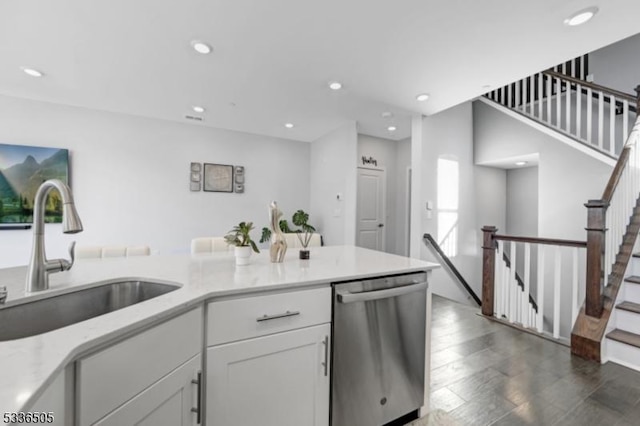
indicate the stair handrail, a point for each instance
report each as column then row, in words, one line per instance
column 606, row 228
column 429, row 241
column 593, row 86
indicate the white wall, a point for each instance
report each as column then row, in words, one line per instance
column 616, row 66
column 333, row 172
column 522, row 202
column 388, row 156
column 403, row 163
column 482, row 193
column 567, row 178
column 130, row 177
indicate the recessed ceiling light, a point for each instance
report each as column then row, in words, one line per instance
column 486, row 86
column 391, row 128
column 387, row 114
column 201, row 47
column 520, row 163
column 198, row 109
column 32, row 72
column 335, row 85
column 422, row 97
column 289, row 125
column 581, row 17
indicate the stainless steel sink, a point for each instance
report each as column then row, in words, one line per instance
column 31, row 318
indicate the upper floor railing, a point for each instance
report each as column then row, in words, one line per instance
column 592, row 114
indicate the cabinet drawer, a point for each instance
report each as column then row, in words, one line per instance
column 114, row 375
column 238, row 319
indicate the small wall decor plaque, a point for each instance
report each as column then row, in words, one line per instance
column 369, row 160
column 218, row 178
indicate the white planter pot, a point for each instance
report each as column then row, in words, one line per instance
column 243, row 255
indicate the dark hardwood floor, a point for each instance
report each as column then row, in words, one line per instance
column 485, row 373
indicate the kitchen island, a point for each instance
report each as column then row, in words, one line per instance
column 31, row 365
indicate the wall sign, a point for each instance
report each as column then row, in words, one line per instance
column 369, row 160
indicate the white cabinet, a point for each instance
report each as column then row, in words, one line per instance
column 276, row 380
column 268, row 360
column 172, row 401
column 114, row 385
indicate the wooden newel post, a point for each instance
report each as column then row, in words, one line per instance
column 488, row 269
column 637, row 89
column 596, row 230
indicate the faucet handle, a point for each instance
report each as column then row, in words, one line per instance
column 65, row 265
column 72, row 254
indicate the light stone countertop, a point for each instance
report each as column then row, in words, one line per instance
column 28, row 365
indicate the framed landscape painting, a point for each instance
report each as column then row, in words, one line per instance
column 22, row 170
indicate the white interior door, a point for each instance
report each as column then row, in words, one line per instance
column 371, row 209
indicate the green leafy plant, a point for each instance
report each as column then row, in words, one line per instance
column 266, row 232
column 240, row 236
column 301, row 218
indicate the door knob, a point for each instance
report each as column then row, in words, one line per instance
column 380, row 225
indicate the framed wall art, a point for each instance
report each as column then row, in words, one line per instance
column 22, row 170
column 218, row 178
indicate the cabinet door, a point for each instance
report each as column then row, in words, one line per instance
column 276, row 380
column 166, row 403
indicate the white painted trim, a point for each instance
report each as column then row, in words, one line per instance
column 553, row 133
column 407, row 225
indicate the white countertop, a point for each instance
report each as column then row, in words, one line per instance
column 28, row 365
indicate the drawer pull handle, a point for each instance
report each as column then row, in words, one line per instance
column 272, row 317
column 198, row 409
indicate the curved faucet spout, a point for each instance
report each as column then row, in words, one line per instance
column 39, row 266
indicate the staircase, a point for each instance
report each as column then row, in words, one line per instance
column 602, row 318
column 623, row 341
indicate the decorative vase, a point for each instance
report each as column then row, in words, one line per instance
column 305, row 254
column 243, row 255
column 278, row 243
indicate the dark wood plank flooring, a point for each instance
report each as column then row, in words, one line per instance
column 485, row 373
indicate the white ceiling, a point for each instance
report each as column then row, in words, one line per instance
column 272, row 59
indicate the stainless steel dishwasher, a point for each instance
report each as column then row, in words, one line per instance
column 378, row 349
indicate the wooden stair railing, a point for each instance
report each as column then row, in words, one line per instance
column 613, row 223
column 580, row 115
column 500, row 295
column 437, row 251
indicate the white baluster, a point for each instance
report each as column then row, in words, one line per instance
column 567, row 124
column 589, row 116
column 527, row 282
column 532, row 98
column 558, row 103
column 549, row 92
column 556, row 292
column 612, row 125
column 601, row 121
column 513, row 284
column 574, row 288
column 540, row 92
column 578, row 111
column 497, row 285
column 540, row 295
column 503, row 290
column 518, row 90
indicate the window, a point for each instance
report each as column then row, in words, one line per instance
column 448, row 200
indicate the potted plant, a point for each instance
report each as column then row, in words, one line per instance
column 240, row 237
column 301, row 219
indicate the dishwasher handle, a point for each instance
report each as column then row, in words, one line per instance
column 365, row 296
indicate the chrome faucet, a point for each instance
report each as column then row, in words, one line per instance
column 39, row 266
